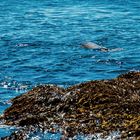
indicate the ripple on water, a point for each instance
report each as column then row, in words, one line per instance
column 58, row 136
column 6, row 130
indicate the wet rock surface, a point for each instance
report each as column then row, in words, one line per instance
column 87, row 108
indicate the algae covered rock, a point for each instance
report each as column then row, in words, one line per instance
column 88, row 108
column 34, row 105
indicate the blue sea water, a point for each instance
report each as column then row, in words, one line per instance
column 40, row 43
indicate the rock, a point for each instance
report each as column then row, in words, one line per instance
column 87, row 108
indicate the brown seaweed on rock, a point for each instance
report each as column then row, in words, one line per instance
column 91, row 107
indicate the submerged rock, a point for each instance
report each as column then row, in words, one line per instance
column 87, row 108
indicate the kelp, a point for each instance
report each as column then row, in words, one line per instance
column 92, row 107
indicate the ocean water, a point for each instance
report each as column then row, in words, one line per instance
column 40, row 43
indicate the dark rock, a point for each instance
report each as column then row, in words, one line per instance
column 88, row 108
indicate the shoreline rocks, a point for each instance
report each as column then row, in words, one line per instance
column 92, row 107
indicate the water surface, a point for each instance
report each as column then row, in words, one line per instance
column 40, row 42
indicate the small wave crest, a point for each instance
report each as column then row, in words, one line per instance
column 6, row 130
column 58, row 135
column 8, row 83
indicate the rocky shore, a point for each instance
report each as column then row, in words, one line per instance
column 88, row 108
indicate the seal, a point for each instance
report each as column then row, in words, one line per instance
column 91, row 45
